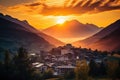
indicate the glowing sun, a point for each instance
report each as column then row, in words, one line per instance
column 61, row 20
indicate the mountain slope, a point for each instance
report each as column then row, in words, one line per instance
column 106, row 39
column 30, row 28
column 71, row 29
column 13, row 36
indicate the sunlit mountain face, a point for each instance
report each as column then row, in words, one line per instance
column 71, row 31
column 105, row 40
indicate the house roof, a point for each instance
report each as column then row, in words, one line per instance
column 39, row 65
column 66, row 66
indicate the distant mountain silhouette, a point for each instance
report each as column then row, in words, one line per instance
column 107, row 39
column 72, row 29
column 15, row 33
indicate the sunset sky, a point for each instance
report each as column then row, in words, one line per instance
column 45, row 13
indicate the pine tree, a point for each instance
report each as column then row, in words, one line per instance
column 23, row 65
column 102, row 69
column 7, row 58
column 93, row 70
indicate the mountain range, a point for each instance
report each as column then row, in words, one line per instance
column 15, row 33
column 105, row 40
column 72, row 30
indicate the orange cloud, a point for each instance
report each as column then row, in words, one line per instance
column 69, row 7
column 27, row 8
column 2, row 8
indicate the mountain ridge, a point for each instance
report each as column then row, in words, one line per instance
column 96, row 39
column 71, row 29
column 30, row 28
column 14, row 36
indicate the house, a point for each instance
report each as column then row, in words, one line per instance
column 64, row 68
column 62, row 58
column 66, row 51
column 40, row 66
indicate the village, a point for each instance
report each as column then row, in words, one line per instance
column 63, row 58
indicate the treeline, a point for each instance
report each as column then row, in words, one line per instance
column 109, row 70
column 17, row 67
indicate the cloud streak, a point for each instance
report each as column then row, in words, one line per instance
column 76, row 7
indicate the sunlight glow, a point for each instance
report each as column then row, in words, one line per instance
column 61, row 19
